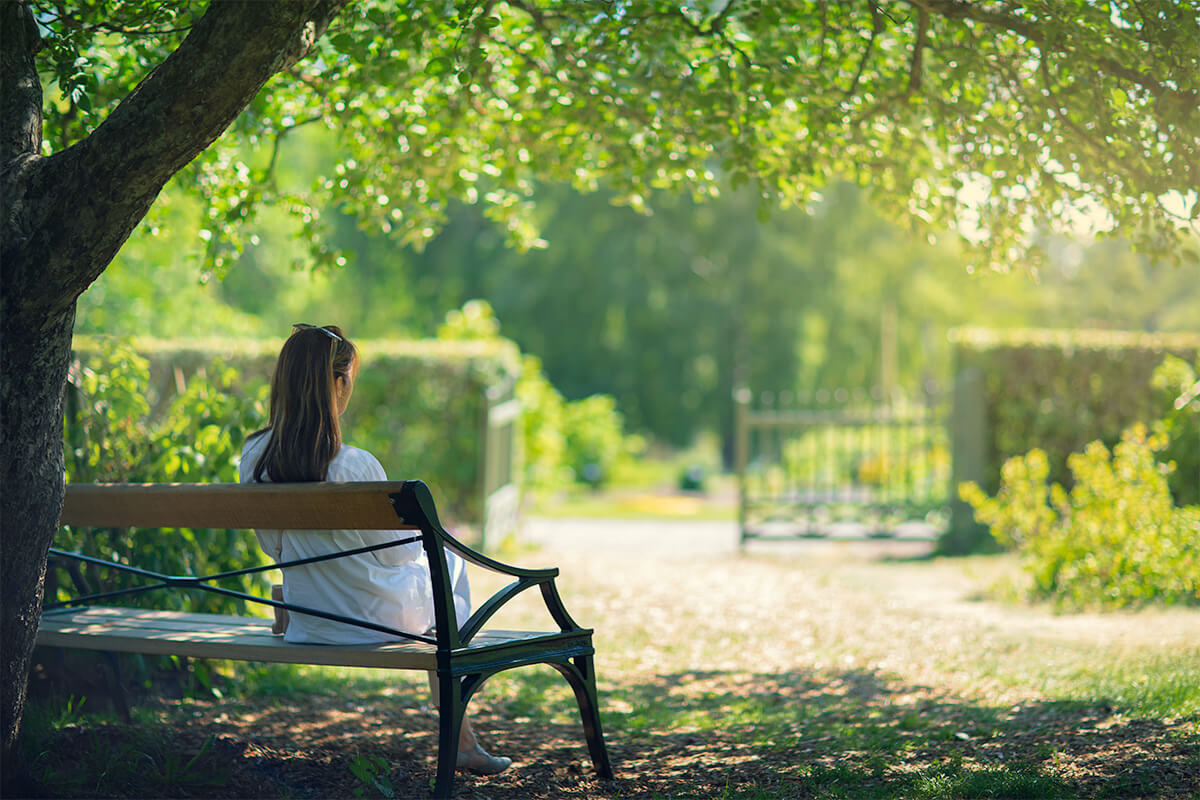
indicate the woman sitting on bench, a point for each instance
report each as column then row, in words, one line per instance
column 311, row 387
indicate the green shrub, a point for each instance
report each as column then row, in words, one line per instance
column 117, row 428
column 418, row 407
column 543, row 445
column 595, row 439
column 561, row 441
column 1179, row 394
column 1114, row 539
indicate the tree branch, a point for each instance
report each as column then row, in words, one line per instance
column 20, row 87
column 876, row 29
column 268, row 175
column 957, row 9
column 78, row 206
column 914, row 68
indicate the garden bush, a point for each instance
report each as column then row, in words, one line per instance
column 543, row 445
column 111, row 432
column 1178, row 389
column 1114, row 539
column 562, row 441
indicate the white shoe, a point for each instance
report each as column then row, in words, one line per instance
column 478, row 761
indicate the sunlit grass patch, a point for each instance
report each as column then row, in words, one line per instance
column 956, row 782
column 1149, row 684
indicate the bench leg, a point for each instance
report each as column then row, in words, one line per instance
column 451, row 709
column 581, row 674
column 118, row 686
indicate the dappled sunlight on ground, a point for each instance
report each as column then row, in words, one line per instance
column 824, row 672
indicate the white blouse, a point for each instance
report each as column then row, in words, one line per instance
column 389, row 587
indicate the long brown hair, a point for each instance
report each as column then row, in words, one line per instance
column 304, row 431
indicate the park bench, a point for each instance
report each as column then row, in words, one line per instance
column 463, row 656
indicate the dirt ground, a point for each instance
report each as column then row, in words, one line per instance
column 855, row 637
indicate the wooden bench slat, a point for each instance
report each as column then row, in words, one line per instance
column 238, row 638
column 288, row 506
column 167, row 616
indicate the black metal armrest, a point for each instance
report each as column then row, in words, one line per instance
column 425, row 516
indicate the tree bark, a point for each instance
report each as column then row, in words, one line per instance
column 62, row 220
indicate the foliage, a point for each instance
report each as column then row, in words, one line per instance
column 118, row 428
column 542, row 440
column 372, row 772
column 802, row 298
column 579, row 440
column 416, row 404
column 1057, row 390
column 1179, row 388
column 474, row 321
column 952, row 112
column 595, row 439
column 418, row 407
column 1115, row 539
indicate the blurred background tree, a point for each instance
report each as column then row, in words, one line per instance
column 665, row 311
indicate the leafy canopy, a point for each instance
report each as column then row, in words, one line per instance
column 993, row 117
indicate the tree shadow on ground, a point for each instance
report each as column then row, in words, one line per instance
column 695, row 734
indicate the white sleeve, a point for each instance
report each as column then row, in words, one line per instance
column 359, row 465
column 270, row 541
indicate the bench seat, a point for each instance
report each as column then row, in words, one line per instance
column 153, row 632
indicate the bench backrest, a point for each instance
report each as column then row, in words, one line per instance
column 291, row 506
column 379, row 505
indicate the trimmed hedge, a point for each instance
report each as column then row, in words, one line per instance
column 1059, row 390
column 417, row 405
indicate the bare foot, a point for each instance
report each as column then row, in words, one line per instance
column 281, row 614
column 478, row 760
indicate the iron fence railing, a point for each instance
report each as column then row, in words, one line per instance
column 845, row 464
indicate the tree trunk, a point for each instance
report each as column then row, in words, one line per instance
column 62, row 220
column 35, row 367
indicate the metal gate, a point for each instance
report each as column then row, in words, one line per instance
column 842, row 465
column 500, row 497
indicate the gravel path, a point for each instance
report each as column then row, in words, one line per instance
column 691, row 538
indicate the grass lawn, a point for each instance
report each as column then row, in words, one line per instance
column 828, row 672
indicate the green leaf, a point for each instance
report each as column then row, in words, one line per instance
column 79, row 97
column 763, row 212
column 438, row 66
column 344, row 42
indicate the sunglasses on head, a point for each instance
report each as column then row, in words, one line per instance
column 304, row 326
